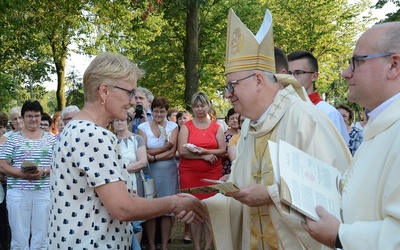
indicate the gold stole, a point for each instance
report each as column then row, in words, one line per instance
column 263, row 235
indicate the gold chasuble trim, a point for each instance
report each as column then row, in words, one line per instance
column 263, row 233
column 261, row 228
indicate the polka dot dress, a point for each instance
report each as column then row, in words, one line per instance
column 85, row 157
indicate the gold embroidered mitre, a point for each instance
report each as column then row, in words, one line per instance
column 244, row 51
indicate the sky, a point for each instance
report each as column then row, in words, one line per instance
column 75, row 62
column 387, row 8
column 80, row 62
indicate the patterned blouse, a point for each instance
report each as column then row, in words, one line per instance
column 356, row 138
column 18, row 149
column 86, row 157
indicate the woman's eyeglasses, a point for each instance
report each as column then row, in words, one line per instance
column 130, row 92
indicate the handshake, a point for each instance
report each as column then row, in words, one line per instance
column 189, row 209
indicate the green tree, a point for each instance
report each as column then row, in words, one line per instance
column 61, row 22
column 50, row 100
column 327, row 29
column 9, row 92
column 44, row 31
column 188, row 55
column 22, row 59
column 75, row 94
column 180, row 43
column 392, row 16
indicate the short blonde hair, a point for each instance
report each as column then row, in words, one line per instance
column 106, row 67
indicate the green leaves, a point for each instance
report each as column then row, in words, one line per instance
column 179, row 43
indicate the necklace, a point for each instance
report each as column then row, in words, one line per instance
column 202, row 126
column 157, row 129
column 91, row 114
column 203, row 131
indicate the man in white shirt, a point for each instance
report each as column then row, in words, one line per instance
column 371, row 185
column 304, row 67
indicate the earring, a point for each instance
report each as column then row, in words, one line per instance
column 104, row 101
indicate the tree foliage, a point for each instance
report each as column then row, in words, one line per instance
column 75, row 94
column 392, row 16
column 179, row 43
column 9, row 92
column 41, row 32
column 172, row 61
column 328, row 29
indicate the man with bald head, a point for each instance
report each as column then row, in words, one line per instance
column 371, row 185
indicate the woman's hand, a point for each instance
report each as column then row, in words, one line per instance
column 200, row 151
column 168, row 145
column 210, row 158
column 33, row 175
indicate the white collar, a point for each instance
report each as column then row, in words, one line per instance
column 374, row 113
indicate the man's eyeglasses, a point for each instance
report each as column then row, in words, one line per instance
column 44, row 125
column 231, row 85
column 131, row 92
column 358, row 58
column 299, row 72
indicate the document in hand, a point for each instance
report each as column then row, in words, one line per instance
column 305, row 181
column 219, row 187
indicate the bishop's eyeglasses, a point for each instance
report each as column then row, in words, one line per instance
column 231, row 85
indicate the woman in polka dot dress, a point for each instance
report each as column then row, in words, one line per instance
column 92, row 202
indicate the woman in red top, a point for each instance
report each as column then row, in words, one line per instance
column 204, row 159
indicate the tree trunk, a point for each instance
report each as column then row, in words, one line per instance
column 60, row 68
column 191, row 51
column 60, row 58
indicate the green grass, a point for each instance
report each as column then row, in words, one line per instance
column 177, row 238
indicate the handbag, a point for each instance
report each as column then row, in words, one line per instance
column 149, row 185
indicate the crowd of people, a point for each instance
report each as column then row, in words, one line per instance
column 76, row 178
